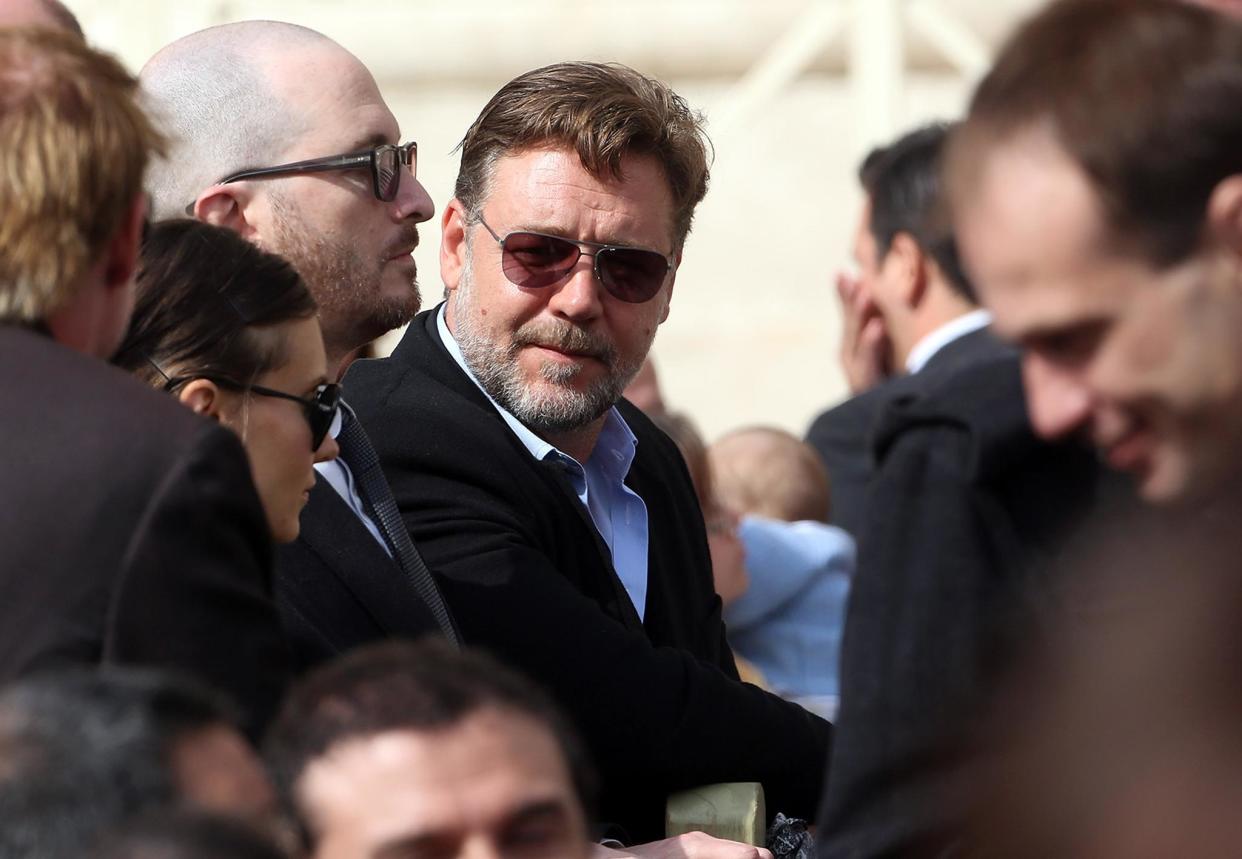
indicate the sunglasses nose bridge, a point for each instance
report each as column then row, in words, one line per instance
column 595, row 254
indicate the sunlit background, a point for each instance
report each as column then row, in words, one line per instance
column 794, row 91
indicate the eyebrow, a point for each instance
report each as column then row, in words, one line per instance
column 377, row 138
column 537, row 809
column 407, row 845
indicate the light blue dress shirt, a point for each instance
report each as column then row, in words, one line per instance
column 619, row 514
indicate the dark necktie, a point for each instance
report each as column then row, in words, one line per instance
column 364, row 463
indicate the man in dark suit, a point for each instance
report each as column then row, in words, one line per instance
column 964, row 511
column 909, row 308
column 132, row 532
column 561, row 525
column 353, row 575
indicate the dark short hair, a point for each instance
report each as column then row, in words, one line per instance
column 403, row 686
column 602, row 111
column 204, row 298
column 903, row 183
column 1142, row 94
column 81, row 750
column 185, row 834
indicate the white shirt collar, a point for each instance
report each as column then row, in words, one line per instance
column 943, row 336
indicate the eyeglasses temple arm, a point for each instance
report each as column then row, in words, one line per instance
column 315, row 165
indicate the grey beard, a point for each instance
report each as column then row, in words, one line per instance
column 559, row 409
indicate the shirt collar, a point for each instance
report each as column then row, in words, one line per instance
column 933, row 342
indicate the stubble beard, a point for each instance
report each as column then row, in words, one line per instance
column 554, row 407
column 353, row 309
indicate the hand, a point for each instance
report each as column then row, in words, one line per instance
column 864, row 339
column 692, row 845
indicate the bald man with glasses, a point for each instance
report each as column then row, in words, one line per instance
column 296, row 150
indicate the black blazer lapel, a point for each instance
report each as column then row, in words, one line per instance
column 348, row 549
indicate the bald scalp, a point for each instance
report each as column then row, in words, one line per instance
column 218, row 95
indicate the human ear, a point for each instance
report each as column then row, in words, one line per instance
column 121, row 260
column 672, row 281
column 911, row 268
column 1224, row 214
column 452, row 243
column 203, row 397
column 226, row 206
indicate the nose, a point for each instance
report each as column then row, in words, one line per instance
column 328, row 449
column 480, row 847
column 412, row 200
column 578, row 297
column 1058, row 399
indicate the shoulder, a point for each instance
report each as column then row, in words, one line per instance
column 89, row 410
column 972, row 417
column 419, row 391
column 855, row 410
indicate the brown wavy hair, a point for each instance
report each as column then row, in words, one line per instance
column 602, row 111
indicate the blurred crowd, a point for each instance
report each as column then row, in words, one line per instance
column 265, row 595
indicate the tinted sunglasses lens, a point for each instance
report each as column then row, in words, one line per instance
column 531, row 260
column 631, row 274
column 322, row 412
column 387, row 172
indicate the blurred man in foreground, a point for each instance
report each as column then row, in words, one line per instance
column 132, row 532
column 82, row 752
column 402, row 749
column 966, row 513
column 1097, row 184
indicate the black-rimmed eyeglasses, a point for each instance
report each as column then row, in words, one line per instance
column 534, row 260
column 321, row 408
column 385, row 163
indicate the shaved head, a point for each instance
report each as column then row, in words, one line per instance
column 222, row 96
column 38, row 13
column 262, row 94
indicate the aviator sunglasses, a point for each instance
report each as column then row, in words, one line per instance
column 534, row 260
column 321, row 409
column 385, row 163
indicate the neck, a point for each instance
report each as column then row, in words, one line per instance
column 338, row 363
column 941, row 306
column 578, row 443
column 85, row 324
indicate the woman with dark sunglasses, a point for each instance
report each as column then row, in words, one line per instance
column 231, row 331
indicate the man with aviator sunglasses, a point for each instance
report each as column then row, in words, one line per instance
column 560, row 523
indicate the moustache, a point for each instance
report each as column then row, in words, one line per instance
column 406, row 240
column 565, row 338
